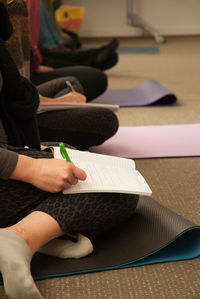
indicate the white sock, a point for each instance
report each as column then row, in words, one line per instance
column 15, row 258
column 67, row 249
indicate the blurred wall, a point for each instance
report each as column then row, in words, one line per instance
column 108, row 17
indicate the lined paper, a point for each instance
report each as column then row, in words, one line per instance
column 105, row 174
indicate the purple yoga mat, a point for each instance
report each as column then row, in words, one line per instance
column 153, row 142
column 149, row 93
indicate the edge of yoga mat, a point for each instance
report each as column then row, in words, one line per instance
column 178, row 140
column 147, row 260
column 161, row 235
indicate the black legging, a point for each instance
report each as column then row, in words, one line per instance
column 94, row 81
column 103, row 57
column 80, row 127
column 58, row 58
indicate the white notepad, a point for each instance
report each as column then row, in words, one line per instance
column 105, row 174
column 53, row 106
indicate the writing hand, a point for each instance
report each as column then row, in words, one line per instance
column 52, row 175
column 44, row 68
column 72, row 97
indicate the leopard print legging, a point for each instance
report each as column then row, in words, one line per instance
column 89, row 214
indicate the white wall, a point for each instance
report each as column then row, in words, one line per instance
column 108, row 17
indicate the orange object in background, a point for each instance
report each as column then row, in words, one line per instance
column 70, row 17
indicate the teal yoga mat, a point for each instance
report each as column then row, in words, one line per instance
column 154, row 235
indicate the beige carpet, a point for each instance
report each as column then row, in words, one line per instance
column 175, row 181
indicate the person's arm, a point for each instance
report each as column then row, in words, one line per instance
column 71, row 97
column 43, row 69
column 8, row 162
column 50, row 175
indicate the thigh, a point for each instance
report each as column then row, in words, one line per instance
column 81, row 128
column 90, row 214
column 58, row 58
column 58, row 87
column 17, row 199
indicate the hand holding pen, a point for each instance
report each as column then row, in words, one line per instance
column 69, row 85
column 64, row 153
column 74, row 96
column 77, row 173
column 51, row 175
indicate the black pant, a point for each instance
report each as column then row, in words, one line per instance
column 58, row 58
column 94, row 81
column 79, row 127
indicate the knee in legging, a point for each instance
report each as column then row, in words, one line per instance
column 107, row 122
column 96, row 213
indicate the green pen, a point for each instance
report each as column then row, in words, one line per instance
column 63, row 152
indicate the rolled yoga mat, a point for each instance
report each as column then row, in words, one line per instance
column 153, row 235
column 149, row 93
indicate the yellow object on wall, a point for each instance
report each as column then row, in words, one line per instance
column 70, row 17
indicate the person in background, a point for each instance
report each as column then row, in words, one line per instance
column 54, row 51
column 93, row 81
column 82, row 128
column 70, row 39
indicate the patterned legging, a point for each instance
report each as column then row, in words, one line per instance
column 90, row 214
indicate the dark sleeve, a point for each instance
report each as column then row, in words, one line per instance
column 8, row 162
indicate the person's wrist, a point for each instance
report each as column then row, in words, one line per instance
column 45, row 99
column 25, row 169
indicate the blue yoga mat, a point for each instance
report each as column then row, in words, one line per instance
column 149, row 93
column 138, row 50
column 154, row 235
